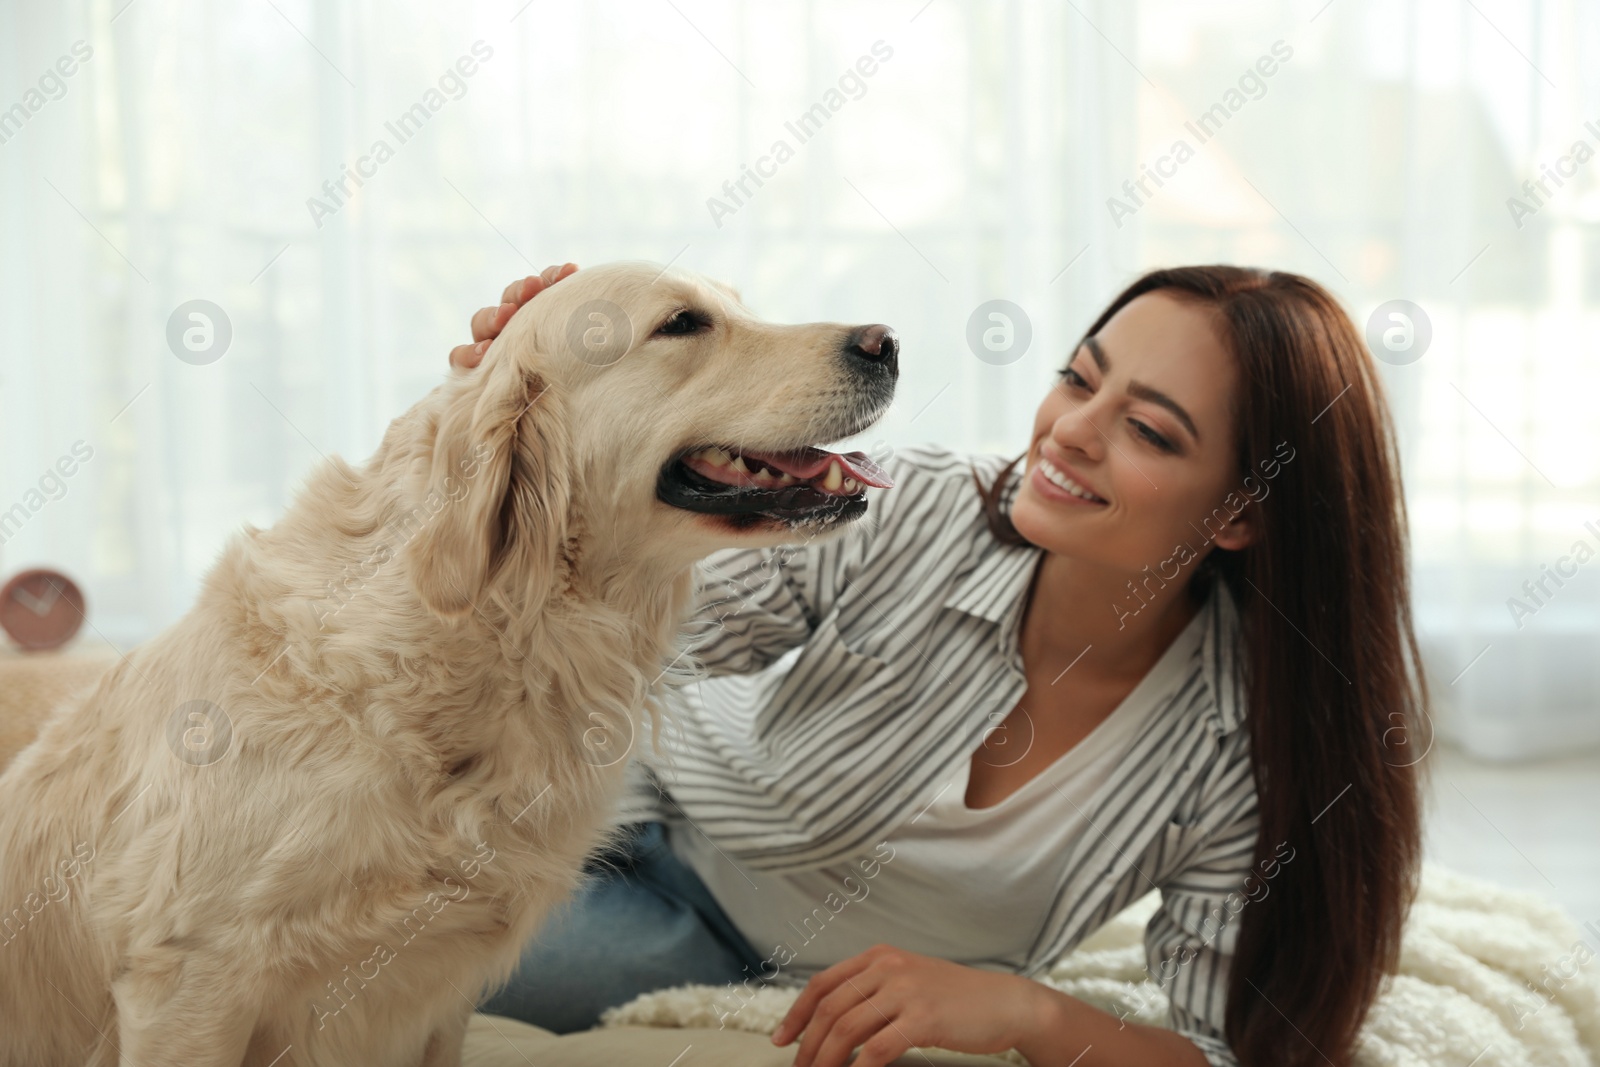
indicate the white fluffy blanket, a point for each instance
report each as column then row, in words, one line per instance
column 1488, row 977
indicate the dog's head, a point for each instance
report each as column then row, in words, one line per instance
column 647, row 411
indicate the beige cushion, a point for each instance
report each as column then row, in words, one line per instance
column 32, row 683
column 493, row 1041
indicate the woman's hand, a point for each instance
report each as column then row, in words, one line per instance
column 887, row 1001
column 488, row 322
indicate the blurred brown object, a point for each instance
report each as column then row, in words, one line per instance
column 41, row 609
column 34, row 684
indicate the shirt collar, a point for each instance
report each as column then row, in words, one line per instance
column 996, row 586
column 998, row 577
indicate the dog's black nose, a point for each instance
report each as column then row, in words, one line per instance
column 877, row 345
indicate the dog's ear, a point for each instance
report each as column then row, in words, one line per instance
column 497, row 493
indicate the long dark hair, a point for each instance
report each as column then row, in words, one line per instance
column 1337, row 702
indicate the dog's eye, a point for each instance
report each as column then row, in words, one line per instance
column 684, row 322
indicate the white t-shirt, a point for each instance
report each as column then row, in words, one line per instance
column 962, row 884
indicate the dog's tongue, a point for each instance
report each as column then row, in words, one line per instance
column 808, row 463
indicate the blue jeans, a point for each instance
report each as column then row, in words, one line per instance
column 643, row 920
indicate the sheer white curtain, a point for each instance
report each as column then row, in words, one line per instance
column 938, row 155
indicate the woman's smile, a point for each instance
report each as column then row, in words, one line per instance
column 1053, row 483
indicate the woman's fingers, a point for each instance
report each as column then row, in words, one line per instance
column 820, row 1028
column 821, row 984
column 513, row 292
column 488, row 322
column 883, row 1048
column 853, row 1029
column 523, row 290
column 551, row 275
column 468, row 356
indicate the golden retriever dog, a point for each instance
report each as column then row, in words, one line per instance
column 314, row 820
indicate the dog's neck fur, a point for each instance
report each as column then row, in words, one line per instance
column 467, row 687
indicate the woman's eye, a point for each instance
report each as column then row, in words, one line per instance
column 1071, row 377
column 683, row 322
column 1150, row 435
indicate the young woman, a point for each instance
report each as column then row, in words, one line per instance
column 1168, row 647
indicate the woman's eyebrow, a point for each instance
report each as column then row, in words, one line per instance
column 1141, row 390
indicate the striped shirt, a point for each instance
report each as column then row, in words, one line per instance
column 843, row 683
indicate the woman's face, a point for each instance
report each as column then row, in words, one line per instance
column 1141, row 418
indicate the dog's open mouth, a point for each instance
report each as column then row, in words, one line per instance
column 799, row 486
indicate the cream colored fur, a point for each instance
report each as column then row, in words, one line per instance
column 426, row 675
